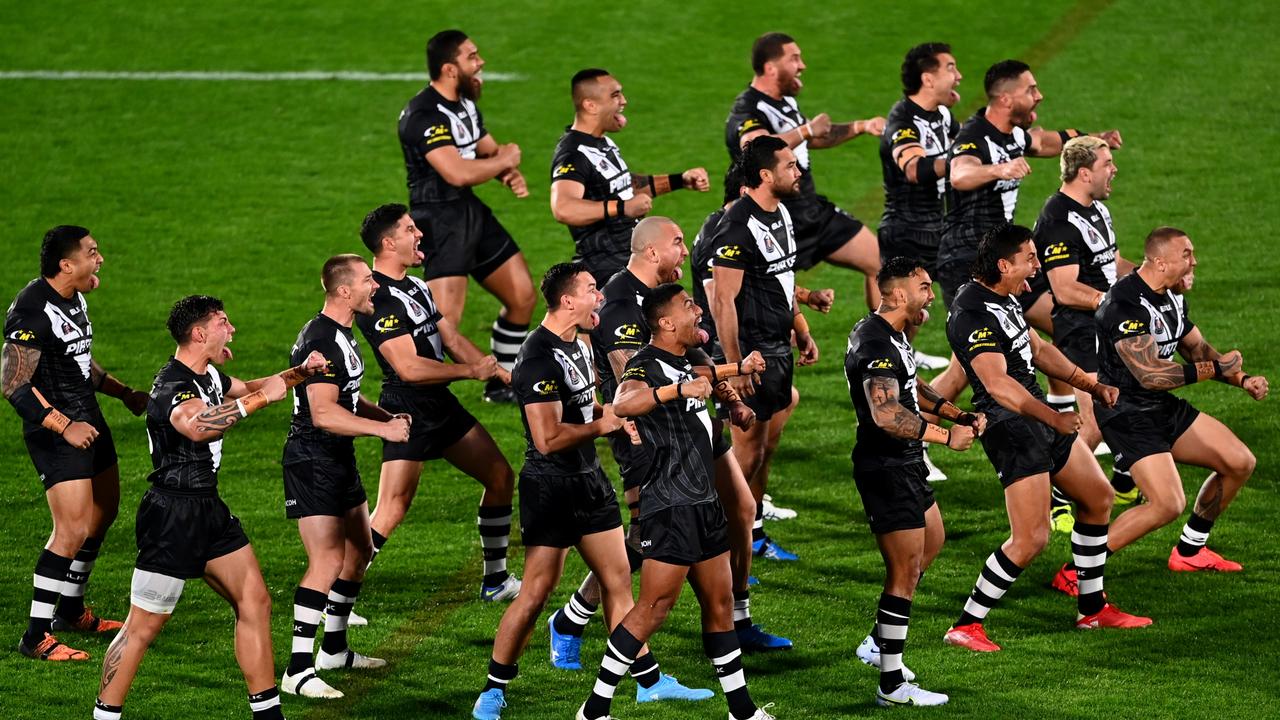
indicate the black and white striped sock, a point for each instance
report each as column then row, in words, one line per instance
column 308, row 609
column 494, row 523
column 500, row 675
column 757, row 528
column 1194, row 535
column 645, row 670
column 1061, row 403
column 726, row 657
column 1089, row 555
column 892, row 617
column 47, row 583
column 342, row 596
column 505, row 340
column 71, row 604
column 997, row 576
column 619, row 654
column 572, row 619
column 741, row 610
column 266, row 704
column 103, row 711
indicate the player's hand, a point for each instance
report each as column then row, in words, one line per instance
column 874, row 126
column 1256, row 386
column 80, row 435
column 639, row 205
column 1065, row 423
column 820, row 126
column 979, row 424
column 135, row 401
column 1230, row 362
column 395, row 430
column 744, row 385
column 961, row 437
column 1105, row 394
column 514, row 180
column 314, row 363
column 503, row 375
column 274, row 386
column 808, row 349
column 509, row 154
column 609, row 422
column 1112, row 137
column 752, row 364
column 698, row 387
column 406, row 416
column 484, row 368
column 822, row 300
column 630, row 429
column 696, row 179
column 1015, row 169
column 741, row 416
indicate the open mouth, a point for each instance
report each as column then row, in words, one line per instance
column 94, row 281
column 226, row 351
column 703, row 337
column 620, row 119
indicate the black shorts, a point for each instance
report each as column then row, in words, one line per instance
column 773, row 394
column 633, row 461
column 951, row 275
column 179, row 534
column 559, row 510
column 894, row 498
column 1039, row 286
column 1079, row 344
column 821, row 228
column 1138, row 434
column 56, row 461
column 920, row 245
column 324, row 485
column 462, row 238
column 685, row 534
column 1021, row 447
column 439, row 421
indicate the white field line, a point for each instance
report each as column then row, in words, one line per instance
column 236, row 76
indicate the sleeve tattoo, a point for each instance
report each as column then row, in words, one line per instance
column 889, row 414
column 1143, row 360
column 17, row 366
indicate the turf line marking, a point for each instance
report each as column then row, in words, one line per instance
column 235, row 76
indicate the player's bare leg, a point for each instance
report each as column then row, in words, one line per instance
column 543, row 567
column 238, row 578
column 124, row 656
column 82, row 512
column 477, row 455
column 397, row 486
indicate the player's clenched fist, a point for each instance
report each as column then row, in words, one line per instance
column 696, row 179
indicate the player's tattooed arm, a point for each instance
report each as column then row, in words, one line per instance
column 842, row 132
column 17, row 367
column 934, row 402
column 888, row 412
column 1142, row 358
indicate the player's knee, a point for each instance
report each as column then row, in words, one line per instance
column 361, row 552
column 1239, row 464
column 254, row 605
column 1031, row 542
column 502, row 481
column 1168, row 507
column 69, row 534
column 1100, row 503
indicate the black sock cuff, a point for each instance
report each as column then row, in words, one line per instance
column 503, row 672
column 624, row 642
column 378, row 539
column 643, row 664
column 760, row 511
column 346, row 588
column 510, row 327
column 269, row 693
column 719, row 644
column 308, row 598
column 494, row 511
column 1091, row 530
column 592, row 607
column 895, row 604
column 89, row 550
column 108, row 708
column 741, row 595
column 1198, row 523
column 1008, row 566
column 52, row 564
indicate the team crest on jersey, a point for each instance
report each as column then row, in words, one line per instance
column 1132, row 327
column 881, row 364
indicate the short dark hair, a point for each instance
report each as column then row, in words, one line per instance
column 896, row 268
column 1000, row 74
column 337, row 271
column 189, row 312
column 920, row 59
column 59, row 243
column 761, row 153
column 657, row 301
column 442, row 49
column 379, row 223
column 580, row 79
column 999, row 243
column 767, row 48
column 1158, row 238
column 558, row 282
column 733, row 182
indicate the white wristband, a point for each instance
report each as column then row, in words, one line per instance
column 240, row 406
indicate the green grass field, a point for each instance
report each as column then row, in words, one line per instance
column 241, row 189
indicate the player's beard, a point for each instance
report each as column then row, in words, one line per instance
column 783, row 190
column 791, row 85
column 470, row 86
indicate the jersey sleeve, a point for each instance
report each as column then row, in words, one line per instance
column 425, row 131
column 968, row 143
column 27, row 326
column 1058, row 244
column 537, row 380
column 481, row 130
column 642, row 370
column 568, row 164
column 746, row 120
column 621, row 327
column 974, row 333
column 388, row 321
column 732, row 247
column 1123, row 319
column 878, row 359
column 901, row 133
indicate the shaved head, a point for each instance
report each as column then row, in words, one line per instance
column 649, row 231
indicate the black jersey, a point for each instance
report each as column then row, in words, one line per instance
column 622, row 326
column 676, row 435
column 338, row 345
column 59, row 328
column 983, row 321
column 1068, row 233
column 762, row 245
column 597, row 163
column 404, row 307
column 753, row 110
column 549, row 369
column 875, row 349
column 431, row 121
column 701, row 261
column 906, row 204
column 970, row 213
column 1132, row 309
column 182, row 464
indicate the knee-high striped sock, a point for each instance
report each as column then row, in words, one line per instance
column 308, row 608
column 997, row 576
column 378, row 541
column 495, row 535
column 71, row 604
column 1058, row 498
column 572, row 619
column 645, row 670
column 726, row 657
column 1061, row 403
column 50, row 575
column 892, row 616
column 266, row 704
column 757, row 528
column 619, row 654
column 741, row 610
column 1194, row 535
column 1089, row 554
column 505, row 340
column 103, row 711
column 500, row 675
column 337, row 611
